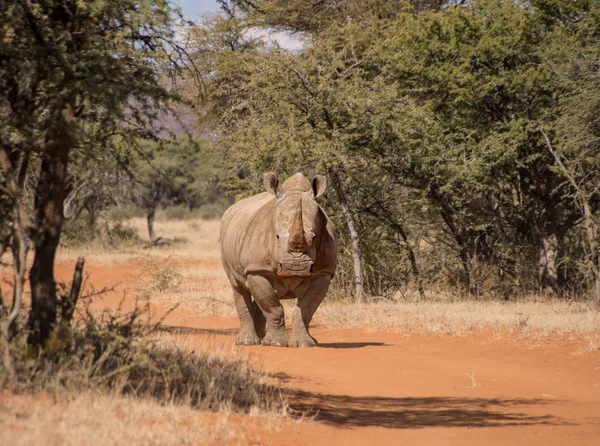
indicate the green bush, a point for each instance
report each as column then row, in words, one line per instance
column 125, row 212
column 78, row 231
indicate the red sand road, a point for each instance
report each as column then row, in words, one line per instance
column 387, row 388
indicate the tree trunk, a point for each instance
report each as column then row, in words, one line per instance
column 590, row 230
column 150, row 218
column 69, row 303
column 49, row 215
column 464, row 253
column 548, row 261
column 590, row 227
column 15, row 178
column 411, row 257
column 359, row 295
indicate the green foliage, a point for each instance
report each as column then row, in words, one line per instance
column 432, row 118
column 124, row 212
column 76, row 79
column 177, row 171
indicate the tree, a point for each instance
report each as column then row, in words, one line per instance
column 483, row 74
column 64, row 64
column 175, row 171
column 286, row 112
column 427, row 119
column 317, row 16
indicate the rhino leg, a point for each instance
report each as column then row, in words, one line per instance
column 308, row 302
column 266, row 298
column 246, row 311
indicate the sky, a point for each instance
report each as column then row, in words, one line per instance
column 192, row 9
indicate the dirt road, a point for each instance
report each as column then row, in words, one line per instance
column 387, row 388
column 361, row 387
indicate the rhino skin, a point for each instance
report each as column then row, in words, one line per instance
column 278, row 245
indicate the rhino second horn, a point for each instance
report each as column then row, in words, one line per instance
column 297, row 241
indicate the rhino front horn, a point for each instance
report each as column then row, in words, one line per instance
column 297, row 241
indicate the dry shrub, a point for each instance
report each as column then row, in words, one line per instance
column 121, row 353
column 159, row 276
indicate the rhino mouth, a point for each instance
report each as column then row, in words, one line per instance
column 295, row 265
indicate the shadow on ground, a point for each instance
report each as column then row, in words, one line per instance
column 351, row 344
column 175, row 329
column 414, row 413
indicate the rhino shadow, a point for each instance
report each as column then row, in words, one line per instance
column 343, row 345
column 416, row 413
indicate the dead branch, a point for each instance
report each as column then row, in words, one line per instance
column 69, row 302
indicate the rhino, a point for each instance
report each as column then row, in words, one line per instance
column 278, row 245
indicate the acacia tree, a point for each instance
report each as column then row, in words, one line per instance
column 309, row 112
column 487, row 74
column 179, row 170
column 62, row 64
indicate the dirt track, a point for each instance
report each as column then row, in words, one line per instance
column 384, row 388
column 363, row 387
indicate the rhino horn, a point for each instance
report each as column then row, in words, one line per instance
column 297, row 241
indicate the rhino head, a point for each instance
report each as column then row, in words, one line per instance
column 297, row 222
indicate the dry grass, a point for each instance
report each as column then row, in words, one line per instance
column 459, row 318
column 117, row 379
column 128, row 354
column 94, row 419
column 193, row 239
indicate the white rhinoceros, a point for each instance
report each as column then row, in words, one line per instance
column 279, row 245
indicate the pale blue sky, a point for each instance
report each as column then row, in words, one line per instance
column 193, row 8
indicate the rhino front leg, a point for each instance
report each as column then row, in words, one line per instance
column 252, row 322
column 266, row 298
column 308, row 302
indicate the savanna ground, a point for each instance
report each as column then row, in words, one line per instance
column 431, row 372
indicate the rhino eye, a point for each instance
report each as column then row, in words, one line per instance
column 277, row 236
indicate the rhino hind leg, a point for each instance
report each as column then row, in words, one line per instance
column 305, row 309
column 246, row 311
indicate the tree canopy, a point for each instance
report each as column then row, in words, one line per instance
column 73, row 76
column 439, row 125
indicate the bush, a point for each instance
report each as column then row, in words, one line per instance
column 179, row 212
column 206, row 211
column 121, row 234
column 121, row 353
column 159, row 276
column 78, row 231
column 125, row 212
column 213, row 210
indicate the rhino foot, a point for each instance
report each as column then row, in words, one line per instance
column 302, row 343
column 276, row 341
column 247, row 340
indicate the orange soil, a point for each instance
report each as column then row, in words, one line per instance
column 387, row 388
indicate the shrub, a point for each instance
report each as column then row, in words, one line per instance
column 123, row 353
column 125, row 212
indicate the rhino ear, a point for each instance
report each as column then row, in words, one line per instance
column 271, row 182
column 319, row 184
